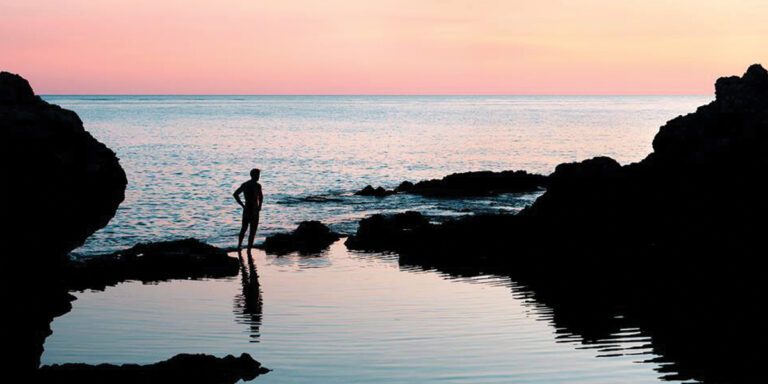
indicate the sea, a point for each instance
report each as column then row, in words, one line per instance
column 343, row 316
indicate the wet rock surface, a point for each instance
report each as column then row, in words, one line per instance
column 182, row 368
column 308, row 238
column 669, row 241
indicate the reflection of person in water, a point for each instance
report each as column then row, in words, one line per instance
column 251, row 189
column 249, row 302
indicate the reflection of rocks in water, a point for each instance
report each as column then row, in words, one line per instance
column 248, row 304
column 689, row 338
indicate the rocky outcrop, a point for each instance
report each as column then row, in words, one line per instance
column 483, row 183
column 308, row 238
column 182, row 368
column 59, row 186
column 178, row 259
column 61, row 183
column 700, row 186
column 377, row 192
column 387, row 233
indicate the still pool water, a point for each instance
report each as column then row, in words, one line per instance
column 347, row 317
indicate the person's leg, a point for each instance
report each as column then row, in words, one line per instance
column 242, row 232
column 254, row 225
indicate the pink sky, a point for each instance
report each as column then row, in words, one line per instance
column 380, row 47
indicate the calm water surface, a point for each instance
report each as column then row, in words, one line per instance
column 345, row 317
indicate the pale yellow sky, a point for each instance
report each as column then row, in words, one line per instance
column 391, row 47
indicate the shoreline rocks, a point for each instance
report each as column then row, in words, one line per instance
column 480, row 183
column 308, row 238
column 377, row 192
column 146, row 262
column 466, row 184
column 182, row 368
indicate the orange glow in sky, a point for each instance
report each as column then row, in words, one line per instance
column 380, row 47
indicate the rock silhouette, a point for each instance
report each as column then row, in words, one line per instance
column 59, row 186
column 670, row 239
column 182, row 368
column 466, row 184
column 309, row 237
column 61, row 182
column 178, row 259
column 378, row 192
column 482, row 183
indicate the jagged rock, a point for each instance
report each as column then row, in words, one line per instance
column 178, row 259
column 377, row 192
column 182, row 368
column 309, row 237
column 700, row 161
column 59, row 186
column 483, row 183
column 60, row 183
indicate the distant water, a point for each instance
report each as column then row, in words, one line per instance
column 184, row 155
column 346, row 317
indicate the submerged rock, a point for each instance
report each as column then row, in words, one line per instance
column 182, row 368
column 60, row 182
column 178, row 259
column 309, row 237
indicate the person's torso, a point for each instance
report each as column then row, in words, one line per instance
column 251, row 193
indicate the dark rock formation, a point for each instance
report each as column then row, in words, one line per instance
column 310, row 237
column 379, row 232
column 59, row 186
column 179, row 259
column 377, row 192
column 427, row 244
column 182, row 368
column 670, row 240
column 483, row 183
column 60, row 180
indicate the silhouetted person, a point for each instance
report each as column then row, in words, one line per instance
column 251, row 189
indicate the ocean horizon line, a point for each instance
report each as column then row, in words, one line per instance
column 383, row 95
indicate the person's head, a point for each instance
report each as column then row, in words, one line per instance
column 255, row 173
